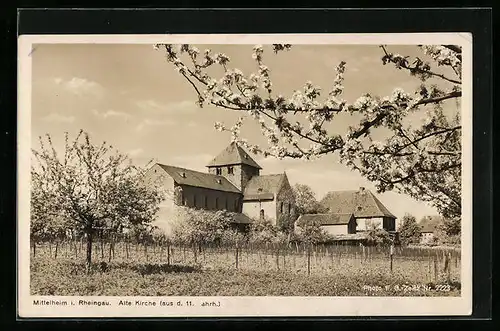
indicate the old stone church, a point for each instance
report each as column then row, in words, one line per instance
column 233, row 182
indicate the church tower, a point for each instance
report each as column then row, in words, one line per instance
column 235, row 164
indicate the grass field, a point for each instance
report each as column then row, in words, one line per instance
column 335, row 272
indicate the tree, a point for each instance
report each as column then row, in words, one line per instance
column 92, row 186
column 409, row 233
column 378, row 237
column 262, row 231
column 305, row 199
column 423, row 161
column 198, row 226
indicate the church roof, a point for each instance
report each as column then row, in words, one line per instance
column 263, row 187
column 362, row 203
column 233, row 154
column 324, row 219
column 189, row 177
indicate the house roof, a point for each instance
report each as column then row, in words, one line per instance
column 324, row 219
column 264, row 186
column 362, row 203
column 233, row 154
column 189, row 177
column 429, row 223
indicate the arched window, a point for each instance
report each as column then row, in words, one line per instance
column 262, row 214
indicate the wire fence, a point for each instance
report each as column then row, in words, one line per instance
column 434, row 264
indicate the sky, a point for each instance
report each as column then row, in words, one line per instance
column 129, row 96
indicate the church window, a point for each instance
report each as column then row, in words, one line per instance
column 218, row 171
column 230, row 170
column 262, row 214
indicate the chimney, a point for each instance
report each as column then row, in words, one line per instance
column 183, row 174
column 361, row 189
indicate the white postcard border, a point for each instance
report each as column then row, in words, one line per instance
column 243, row 306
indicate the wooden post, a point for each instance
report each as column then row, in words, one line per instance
column 309, row 260
column 391, row 253
column 168, row 254
column 277, row 259
column 237, row 257
column 435, row 269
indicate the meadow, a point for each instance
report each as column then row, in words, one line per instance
column 143, row 270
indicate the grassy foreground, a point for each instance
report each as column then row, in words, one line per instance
column 67, row 276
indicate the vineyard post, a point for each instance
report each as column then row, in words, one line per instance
column 195, row 252
column 102, row 244
column 435, row 268
column 309, row 259
column 277, row 258
column 284, row 258
column 57, row 246
column 126, row 247
column 237, row 257
column 391, row 253
column 168, row 253
column 110, row 250
column 75, row 246
column 448, row 266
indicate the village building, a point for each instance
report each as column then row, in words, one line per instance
column 233, row 183
column 350, row 214
column 428, row 227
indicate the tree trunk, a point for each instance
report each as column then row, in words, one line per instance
column 102, row 247
column 89, row 251
column 110, row 251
